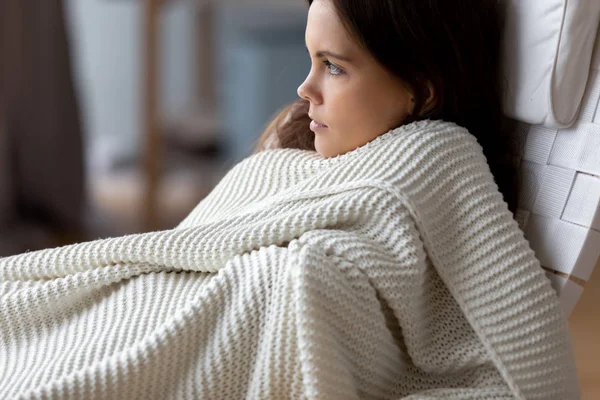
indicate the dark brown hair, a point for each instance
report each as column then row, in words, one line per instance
column 453, row 46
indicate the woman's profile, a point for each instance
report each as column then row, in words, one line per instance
column 367, row 249
column 397, row 63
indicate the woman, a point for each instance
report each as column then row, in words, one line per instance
column 411, row 60
column 386, row 264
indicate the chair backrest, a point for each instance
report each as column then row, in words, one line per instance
column 552, row 64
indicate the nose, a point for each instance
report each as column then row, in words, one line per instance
column 308, row 91
column 302, row 91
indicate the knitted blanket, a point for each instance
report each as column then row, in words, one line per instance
column 393, row 271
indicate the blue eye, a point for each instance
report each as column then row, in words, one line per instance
column 333, row 70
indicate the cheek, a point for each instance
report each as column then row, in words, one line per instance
column 348, row 109
column 352, row 123
column 375, row 112
column 358, row 114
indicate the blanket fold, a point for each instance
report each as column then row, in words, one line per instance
column 393, row 271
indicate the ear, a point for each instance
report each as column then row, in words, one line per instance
column 431, row 100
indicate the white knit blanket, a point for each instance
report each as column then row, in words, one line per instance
column 392, row 271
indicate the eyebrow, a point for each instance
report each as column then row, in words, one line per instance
column 325, row 53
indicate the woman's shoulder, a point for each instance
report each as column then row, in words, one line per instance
column 418, row 155
column 434, row 168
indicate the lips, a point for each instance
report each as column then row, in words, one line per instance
column 314, row 126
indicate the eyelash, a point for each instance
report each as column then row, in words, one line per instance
column 329, row 66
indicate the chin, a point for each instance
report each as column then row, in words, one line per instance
column 330, row 154
column 324, row 150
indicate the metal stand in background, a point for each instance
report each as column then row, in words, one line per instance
column 152, row 156
column 206, row 56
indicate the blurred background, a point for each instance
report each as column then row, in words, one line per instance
column 119, row 116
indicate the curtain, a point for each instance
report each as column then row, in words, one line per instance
column 42, row 176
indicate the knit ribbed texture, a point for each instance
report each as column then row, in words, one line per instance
column 392, row 271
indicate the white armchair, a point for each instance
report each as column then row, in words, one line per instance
column 552, row 68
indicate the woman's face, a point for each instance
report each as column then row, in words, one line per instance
column 353, row 99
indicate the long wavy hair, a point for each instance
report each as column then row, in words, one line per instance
column 453, row 45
